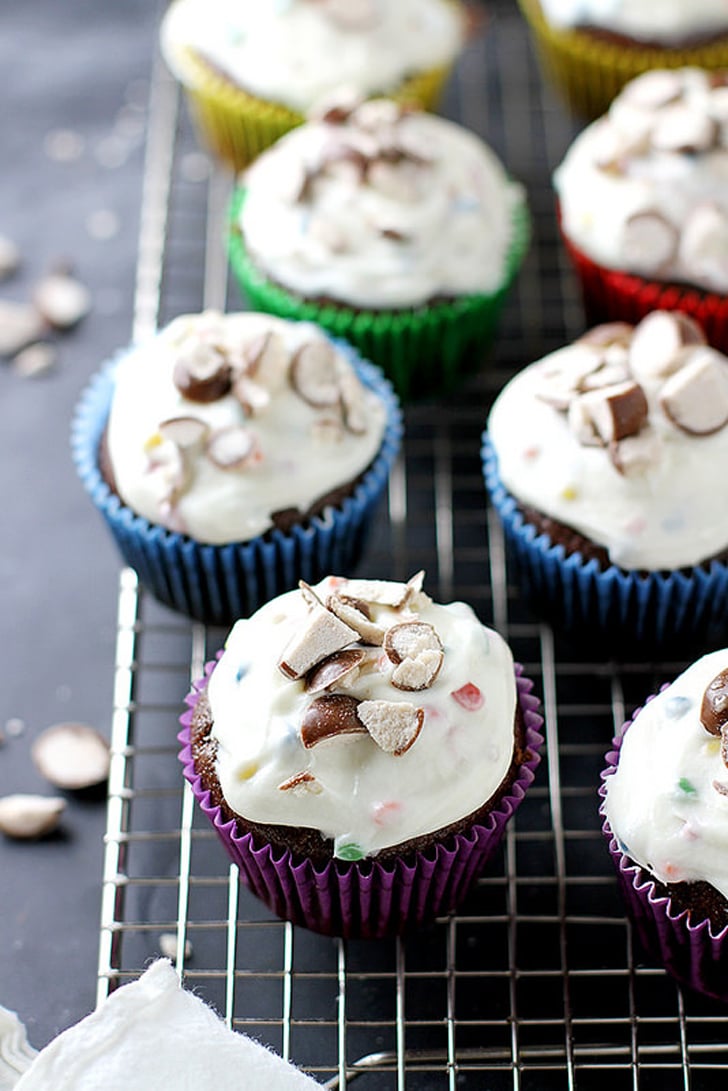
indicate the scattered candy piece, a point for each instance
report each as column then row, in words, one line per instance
column 677, row 707
column 687, row 787
column 469, row 697
column 35, row 360
column 61, row 300
column 26, row 817
column 394, row 726
column 329, row 716
column 72, row 756
column 348, row 851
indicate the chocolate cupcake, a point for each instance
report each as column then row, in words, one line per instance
column 643, row 202
column 590, row 50
column 232, row 455
column 601, row 462
column 395, row 229
column 359, row 750
column 252, row 71
column 665, row 807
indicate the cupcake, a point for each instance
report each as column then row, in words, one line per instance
column 359, row 750
column 601, row 461
column 665, row 807
column 590, row 49
column 393, row 228
column 643, row 202
column 252, row 71
column 232, row 455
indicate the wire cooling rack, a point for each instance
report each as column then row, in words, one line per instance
column 536, row 983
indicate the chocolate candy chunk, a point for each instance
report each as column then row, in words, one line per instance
column 635, row 455
column 695, row 398
column 394, row 726
column 267, row 361
column 61, row 300
column 328, row 716
column 253, row 397
column 350, row 611
column 202, row 375
column 300, row 783
column 659, row 341
column 315, row 374
column 563, row 372
column 684, row 130
column 616, row 411
column 186, row 432
column 416, row 649
column 384, row 592
column 654, row 89
column 714, row 708
column 649, row 241
column 353, row 403
column 321, row 636
column 720, row 787
column 409, row 638
column 232, row 448
column 329, row 672
column 704, row 242
column 417, row 673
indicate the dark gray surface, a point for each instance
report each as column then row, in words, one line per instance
column 81, row 66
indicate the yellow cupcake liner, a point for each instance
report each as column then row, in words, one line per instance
column 236, row 126
column 589, row 72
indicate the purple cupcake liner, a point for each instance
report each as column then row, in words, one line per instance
column 688, row 948
column 684, row 609
column 218, row 584
column 366, row 899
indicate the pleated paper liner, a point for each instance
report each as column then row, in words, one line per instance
column 617, row 611
column 683, row 941
column 590, row 71
column 613, row 295
column 218, row 584
column 366, row 899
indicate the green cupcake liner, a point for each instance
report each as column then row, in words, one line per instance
column 423, row 350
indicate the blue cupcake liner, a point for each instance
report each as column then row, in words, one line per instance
column 218, row 584
column 685, row 609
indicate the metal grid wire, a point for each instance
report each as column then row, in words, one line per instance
column 536, row 982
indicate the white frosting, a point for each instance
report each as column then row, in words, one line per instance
column 363, row 797
column 661, row 803
column 153, row 1034
column 664, row 515
column 297, row 52
column 297, row 462
column 669, row 22
column 617, row 169
column 381, row 234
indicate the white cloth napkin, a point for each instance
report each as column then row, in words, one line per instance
column 153, row 1035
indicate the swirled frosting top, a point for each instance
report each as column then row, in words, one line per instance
column 618, row 436
column 645, row 187
column 376, row 206
column 667, row 803
column 363, row 710
column 297, row 52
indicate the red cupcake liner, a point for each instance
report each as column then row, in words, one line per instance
column 686, row 945
column 612, row 295
column 366, row 899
